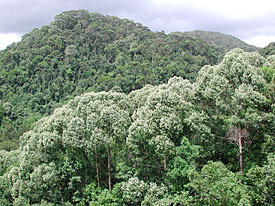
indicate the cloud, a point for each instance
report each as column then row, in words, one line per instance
column 7, row 39
column 261, row 40
column 22, row 16
column 243, row 19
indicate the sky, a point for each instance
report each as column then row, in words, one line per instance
column 252, row 21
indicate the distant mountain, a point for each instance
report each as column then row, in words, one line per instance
column 224, row 41
column 268, row 50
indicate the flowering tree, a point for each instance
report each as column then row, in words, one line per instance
column 109, row 123
column 165, row 114
column 233, row 92
column 55, row 157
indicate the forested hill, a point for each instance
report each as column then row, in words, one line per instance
column 206, row 142
column 268, row 50
column 225, row 42
column 126, row 131
column 81, row 51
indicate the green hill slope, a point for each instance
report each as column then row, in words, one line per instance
column 209, row 142
column 81, row 51
column 224, row 41
column 268, row 50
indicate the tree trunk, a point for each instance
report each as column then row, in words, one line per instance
column 97, row 170
column 164, row 161
column 109, row 167
column 241, row 151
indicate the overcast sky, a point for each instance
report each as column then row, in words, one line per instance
column 252, row 21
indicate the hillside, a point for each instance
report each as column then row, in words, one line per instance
column 81, row 51
column 225, row 42
column 110, row 113
column 268, row 50
column 206, row 142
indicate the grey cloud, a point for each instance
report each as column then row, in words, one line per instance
column 23, row 16
column 17, row 16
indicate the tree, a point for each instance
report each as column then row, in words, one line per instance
column 216, row 185
column 137, row 192
column 268, row 70
column 260, row 182
column 159, row 121
column 109, row 122
column 181, row 165
column 163, row 115
column 233, row 92
column 59, row 155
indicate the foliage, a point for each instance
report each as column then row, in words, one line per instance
column 216, row 185
column 181, row 165
column 165, row 144
column 224, row 41
column 268, row 50
column 94, row 196
column 260, row 181
column 234, row 91
column 80, row 52
column 136, row 192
